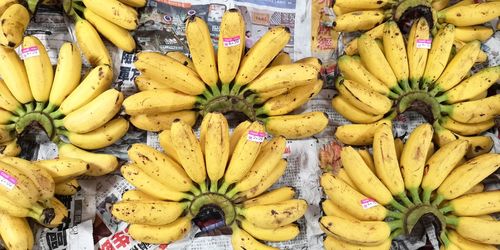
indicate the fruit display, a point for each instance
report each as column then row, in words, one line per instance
column 81, row 111
column 262, row 84
column 219, row 180
column 27, row 192
column 14, row 19
column 468, row 16
column 375, row 197
column 384, row 81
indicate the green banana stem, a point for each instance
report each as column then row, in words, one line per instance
column 61, row 131
column 29, row 107
column 195, row 190
column 188, row 197
column 396, row 215
column 392, row 95
column 56, row 114
column 398, row 206
column 438, row 200
column 203, row 187
column 59, row 123
column 50, row 107
column 32, row 5
column 207, row 95
column 201, row 101
column 78, row 7
column 445, row 239
column 14, row 119
column 452, row 220
column 225, row 89
column 441, row 98
column 38, row 117
column 398, row 90
column 260, row 111
column 20, row 111
column 426, row 196
column 446, row 209
column 415, row 196
column 435, row 91
column 9, row 127
column 39, row 106
column 422, row 103
column 402, row 196
column 232, row 193
column 405, row 85
column 415, row 84
column 448, row 109
column 395, row 224
column 213, row 186
column 236, row 90
column 223, row 188
column 215, row 90
column 396, row 233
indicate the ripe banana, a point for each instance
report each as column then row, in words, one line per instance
column 417, row 56
column 358, row 134
column 330, row 208
column 466, row 128
column 231, row 45
column 469, row 15
column 351, row 112
column 474, row 111
column 471, row 33
column 14, row 75
column 163, row 234
column 240, row 239
column 476, row 229
column 202, row 50
column 162, row 121
column 261, row 54
column 284, row 76
column 101, row 137
column 6, row 4
column 183, row 59
column 8, row 101
column 13, row 23
column 275, row 215
column 115, row 12
column 352, row 46
column 363, row 98
column 64, row 169
column 16, row 232
column 358, row 20
column 297, row 126
column 216, row 148
column 282, row 58
column 236, row 135
column 332, row 243
column 10, row 148
column 18, row 186
column 69, row 187
column 395, row 52
column 38, row 68
column 167, row 145
column 352, row 69
column 90, row 44
column 136, row 195
column 476, row 204
column 157, row 101
column 276, row 195
column 439, row 54
column 464, row 243
column 153, row 213
column 363, row 4
column 117, row 35
column 284, row 233
column 99, row 163
column 61, row 214
column 143, row 83
column 368, row 159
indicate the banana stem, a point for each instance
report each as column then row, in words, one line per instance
column 396, row 215
column 56, row 114
column 207, row 95
column 405, row 199
column 235, row 90
column 392, row 95
column 225, row 89
column 194, row 191
column 405, row 86
column 415, row 84
column 446, row 209
column 434, row 91
column 438, row 200
column 415, row 196
column 14, row 119
column 448, row 109
column 61, row 131
column 260, row 111
column 203, row 187
column 223, row 188
column 9, row 127
column 396, row 89
column 188, row 197
column 398, row 206
column 396, row 233
column 426, row 196
column 29, row 107
column 78, row 7
column 58, row 123
column 50, row 107
column 240, row 211
column 451, row 220
column 444, row 239
column 215, row 90
column 20, row 111
column 39, row 106
column 232, row 193
column 395, row 224
column 213, row 186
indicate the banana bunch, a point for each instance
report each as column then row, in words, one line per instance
column 63, row 105
column 418, row 75
column 262, row 84
column 222, row 172
column 375, row 197
column 113, row 19
column 27, row 191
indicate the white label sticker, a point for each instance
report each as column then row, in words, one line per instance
column 256, row 136
column 29, row 52
column 424, row 43
column 7, row 181
column 231, row 41
column 368, row 203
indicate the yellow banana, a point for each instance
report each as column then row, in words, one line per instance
column 64, row 169
column 14, row 75
column 358, row 20
column 464, row 243
column 231, row 45
column 91, row 44
column 14, row 21
column 163, row 234
column 17, row 186
column 183, row 59
column 466, row 128
column 153, row 213
column 10, row 148
column 158, row 101
column 276, row 195
column 264, row 96
column 6, row 117
column 143, row 83
column 474, row 111
column 135, row 195
column 240, row 239
column 332, row 243
column 8, row 101
column 99, row 163
column 358, row 134
column 368, row 159
column 274, row 176
column 476, row 229
column 478, row 145
column 202, row 50
column 236, row 135
column 167, row 145
column 162, row 121
column 363, row 4
column 284, row 76
column 478, row 188
column 330, row 208
column 418, row 39
column 283, row 233
column 439, row 54
column 474, row 204
column 16, row 232
column 439, row 4
column 395, row 52
column 101, row 137
column 275, row 215
column 6, row 4
column 297, row 126
column 94, row 114
column 69, row 187
column 363, row 98
column 117, row 35
column 471, row 33
column 351, row 112
column 134, row 3
column 282, row 58
column 61, row 214
column 38, row 68
column 115, row 12
column 352, row 47
column 216, row 148
column 469, row 15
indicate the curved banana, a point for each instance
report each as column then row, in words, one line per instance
column 464, row 243
column 358, row 20
column 163, row 234
column 469, row 15
column 64, row 169
column 158, row 101
column 471, row 33
column 282, row 58
column 474, row 111
column 99, row 163
column 395, row 52
column 466, row 128
column 153, row 213
column 364, row 4
column 13, row 23
column 61, row 214
column 134, row 3
column 38, row 68
column 276, row 195
column 10, row 148
column 332, row 243
column 352, row 47
column 351, row 112
column 115, row 12
column 330, row 208
column 143, row 83
column 162, row 121
column 363, row 98
column 69, row 187
column 14, row 75
column 476, row 229
column 283, row 233
column 8, row 101
column 474, row 204
column 135, row 195
column 91, row 44
column 167, row 145
column 284, row 76
column 417, row 56
column 358, row 134
column 274, row 215
column 240, row 239
column 296, row 126
column 274, row 176
column 183, row 59
column 16, row 232
column 101, row 137
column 439, row 54
column 216, row 147
column 117, row 35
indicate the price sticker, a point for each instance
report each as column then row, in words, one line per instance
column 6, row 180
column 256, row 136
column 368, row 203
column 424, row 43
column 29, row 52
column 231, row 41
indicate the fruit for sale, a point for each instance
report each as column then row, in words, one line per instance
column 476, row 229
column 16, row 232
column 148, row 212
column 69, row 187
column 14, row 20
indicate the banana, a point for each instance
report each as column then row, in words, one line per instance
column 469, row 15
column 417, row 56
column 358, row 134
column 164, row 69
column 291, row 100
column 330, row 208
column 358, row 20
column 96, row 82
column 115, row 12
column 183, row 59
column 395, row 52
column 41, row 178
column 16, row 232
column 158, row 101
column 464, row 177
column 297, row 126
column 439, row 54
column 261, row 54
column 67, row 74
column 236, row 135
column 439, row 4
column 474, row 204
column 466, row 128
column 8, row 101
column 276, row 195
column 136, row 195
column 240, row 239
column 201, row 49
column 11, row 208
column 14, row 21
column 143, row 83
column 364, row 4
column 10, row 148
column 99, row 163
column 342, row 175
column 4, row 4
column 458, row 67
column 163, row 234
column 38, row 68
column 352, row 46
column 474, row 111
column 478, row 188
column 14, row 75
column 441, row 164
column 94, row 114
column 284, row 233
column 339, row 11
column 91, row 44
column 351, row 112
column 475, row 229
column 374, row 60
column 351, row 200
column 275, row 215
column 162, row 121
column 153, row 213
column 471, row 33
column 61, row 214
column 368, row 159
column 332, row 243
column 282, row 58
column 366, row 233
column 160, row 167
column 231, row 45
column 167, row 145
column 472, row 86
column 478, row 145
column 216, row 147
column 64, row 169
column 69, row 187
column 17, row 186
column 274, row 176
column 284, row 76
column 268, row 157
column 134, row 3
column 264, row 96
column 464, row 243
column 150, row 186
column 101, row 137
column 117, row 35
column 363, row 98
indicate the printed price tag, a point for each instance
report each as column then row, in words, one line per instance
column 7, row 181
column 256, row 136
column 368, row 203
column 424, row 43
column 29, row 52
column 231, row 41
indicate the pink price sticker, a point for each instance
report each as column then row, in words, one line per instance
column 368, row 203
column 29, row 52
column 231, row 41
column 7, row 181
column 424, row 43
column 256, row 136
